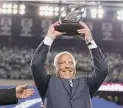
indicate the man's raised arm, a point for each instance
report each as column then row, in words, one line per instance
column 37, row 65
column 96, row 78
column 40, row 76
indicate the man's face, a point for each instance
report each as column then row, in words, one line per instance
column 66, row 68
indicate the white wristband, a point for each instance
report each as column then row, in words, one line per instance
column 48, row 41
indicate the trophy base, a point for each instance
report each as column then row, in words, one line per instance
column 69, row 28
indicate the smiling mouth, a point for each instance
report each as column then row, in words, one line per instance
column 67, row 70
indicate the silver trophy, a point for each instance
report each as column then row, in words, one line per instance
column 70, row 22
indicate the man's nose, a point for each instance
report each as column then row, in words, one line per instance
column 67, row 65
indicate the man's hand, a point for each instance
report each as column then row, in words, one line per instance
column 23, row 92
column 85, row 32
column 52, row 33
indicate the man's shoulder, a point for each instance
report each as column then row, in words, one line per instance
column 81, row 77
column 53, row 77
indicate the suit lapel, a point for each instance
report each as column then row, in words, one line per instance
column 66, row 85
column 75, row 86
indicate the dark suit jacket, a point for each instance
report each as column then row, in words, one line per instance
column 84, row 89
column 8, row 96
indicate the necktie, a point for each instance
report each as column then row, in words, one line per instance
column 70, row 85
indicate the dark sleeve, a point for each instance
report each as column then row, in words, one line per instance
column 96, row 78
column 8, row 96
column 40, row 76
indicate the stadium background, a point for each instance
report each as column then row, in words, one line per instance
column 24, row 24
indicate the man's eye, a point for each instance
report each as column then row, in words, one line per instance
column 71, row 62
column 61, row 63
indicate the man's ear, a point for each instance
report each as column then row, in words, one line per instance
column 74, row 73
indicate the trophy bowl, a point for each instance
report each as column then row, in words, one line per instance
column 70, row 22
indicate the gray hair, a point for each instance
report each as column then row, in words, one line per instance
column 61, row 53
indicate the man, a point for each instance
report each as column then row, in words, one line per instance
column 64, row 90
column 11, row 96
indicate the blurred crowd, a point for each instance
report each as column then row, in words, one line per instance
column 15, row 63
